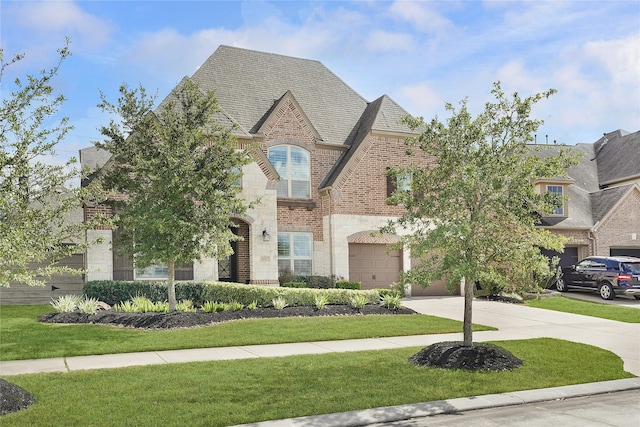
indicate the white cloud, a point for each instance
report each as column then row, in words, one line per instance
column 421, row 97
column 621, row 58
column 422, row 16
column 384, row 41
column 63, row 17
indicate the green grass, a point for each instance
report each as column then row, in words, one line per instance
column 587, row 308
column 234, row 392
column 23, row 337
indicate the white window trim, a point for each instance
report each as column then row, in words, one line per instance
column 289, row 171
column 292, row 258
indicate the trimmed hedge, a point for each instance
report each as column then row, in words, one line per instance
column 115, row 292
column 348, row 284
column 294, row 285
column 263, row 295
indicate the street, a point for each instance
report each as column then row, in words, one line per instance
column 620, row 409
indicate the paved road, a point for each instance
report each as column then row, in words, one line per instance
column 620, row 409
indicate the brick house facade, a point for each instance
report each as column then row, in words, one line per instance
column 321, row 154
column 602, row 213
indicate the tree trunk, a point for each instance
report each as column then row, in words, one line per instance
column 171, row 285
column 468, row 300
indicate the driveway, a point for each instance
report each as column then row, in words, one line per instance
column 516, row 321
column 621, row 300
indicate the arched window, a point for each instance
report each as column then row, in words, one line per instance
column 293, row 166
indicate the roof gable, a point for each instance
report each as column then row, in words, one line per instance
column 247, row 84
column 382, row 115
column 287, row 110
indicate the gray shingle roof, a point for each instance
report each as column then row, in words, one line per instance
column 618, row 156
column 247, row 84
column 604, row 200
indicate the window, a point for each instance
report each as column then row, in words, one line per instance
column 293, row 166
column 153, row 272
column 295, row 252
column 557, row 190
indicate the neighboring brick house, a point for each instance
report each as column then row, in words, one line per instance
column 601, row 215
column 320, row 173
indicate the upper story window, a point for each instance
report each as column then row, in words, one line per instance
column 558, row 190
column 293, row 165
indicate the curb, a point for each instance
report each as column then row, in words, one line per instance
column 417, row 410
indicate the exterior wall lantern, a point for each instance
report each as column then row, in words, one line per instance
column 265, row 235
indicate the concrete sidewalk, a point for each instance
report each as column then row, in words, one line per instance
column 513, row 321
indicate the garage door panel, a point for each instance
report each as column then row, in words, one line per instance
column 371, row 265
column 634, row 252
column 55, row 286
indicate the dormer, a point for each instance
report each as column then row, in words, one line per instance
column 560, row 187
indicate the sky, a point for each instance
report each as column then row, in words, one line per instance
column 420, row 53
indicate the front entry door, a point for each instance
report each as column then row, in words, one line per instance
column 228, row 267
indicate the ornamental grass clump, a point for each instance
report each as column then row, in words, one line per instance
column 358, row 301
column 391, row 301
column 212, row 306
column 321, row 300
column 66, row 303
column 279, row 303
column 186, row 306
column 235, row 306
column 88, row 305
column 126, row 307
column 253, row 305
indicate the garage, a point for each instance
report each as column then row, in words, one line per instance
column 635, row 252
column 438, row 288
column 567, row 258
column 62, row 284
column 373, row 266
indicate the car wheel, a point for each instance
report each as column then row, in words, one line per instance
column 606, row 291
column 561, row 286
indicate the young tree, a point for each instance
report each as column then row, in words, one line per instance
column 471, row 214
column 36, row 198
column 174, row 173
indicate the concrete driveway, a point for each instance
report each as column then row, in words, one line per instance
column 621, row 300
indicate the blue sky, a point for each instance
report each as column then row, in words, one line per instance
column 422, row 54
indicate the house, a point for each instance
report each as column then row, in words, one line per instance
column 601, row 212
column 320, row 174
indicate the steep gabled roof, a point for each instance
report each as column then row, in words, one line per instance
column 618, row 157
column 247, row 83
column 604, row 200
column 381, row 115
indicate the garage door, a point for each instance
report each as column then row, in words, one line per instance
column 20, row 294
column 438, row 288
column 373, row 266
column 567, row 258
column 625, row 252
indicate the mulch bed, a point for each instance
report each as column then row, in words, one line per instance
column 455, row 355
column 180, row 319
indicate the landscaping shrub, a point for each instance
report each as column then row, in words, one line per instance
column 348, row 284
column 320, row 282
column 115, row 292
column 294, row 285
column 264, row 295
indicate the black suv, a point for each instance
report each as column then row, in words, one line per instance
column 608, row 275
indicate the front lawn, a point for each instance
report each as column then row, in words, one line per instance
column 23, row 337
column 587, row 308
column 234, row 392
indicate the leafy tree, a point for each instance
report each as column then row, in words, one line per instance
column 37, row 198
column 174, row 175
column 471, row 213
